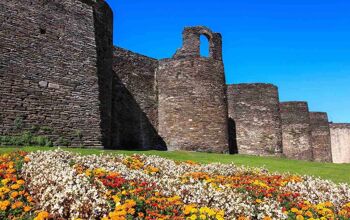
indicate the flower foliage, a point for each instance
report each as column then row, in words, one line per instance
column 63, row 185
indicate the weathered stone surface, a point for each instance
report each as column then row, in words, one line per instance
column 256, row 122
column 320, row 137
column 53, row 86
column 192, row 96
column 135, row 98
column 67, row 45
column 43, row 84
column 296, row 133
column 340, row 139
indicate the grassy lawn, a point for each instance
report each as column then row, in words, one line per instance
column 335, row 172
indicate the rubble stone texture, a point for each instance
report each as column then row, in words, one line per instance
column 320, row 137
column 55, row 68
column 255, row 121
column 296, row 132
column 192, row 96
column 340, row 138
column 135, row 98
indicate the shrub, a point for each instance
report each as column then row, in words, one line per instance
column 25, row 139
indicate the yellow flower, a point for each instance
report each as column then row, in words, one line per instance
column 88, row 172
column 43, row 215
column 299, row 217
column 130, row 203
column 203, row 217
column 294, row 210
column 116, row 199
column 258, row 201
column 5, row 181
column 187, row 209
column 193, row 217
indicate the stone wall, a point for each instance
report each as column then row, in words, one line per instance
column 320, row 137
column 296, row 133
column 55, row 68
column 135, row 113
column 340, row 138
column 256, row 121
column 192, row 96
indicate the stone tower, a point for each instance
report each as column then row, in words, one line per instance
column 320, row 137
column 296, row 132
column 192, row 96
column 254, row 119
column 56, row 69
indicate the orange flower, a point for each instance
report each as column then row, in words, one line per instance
column 27, row 208
column 14, row 194
column 17, row 204
column 20, row 182
column 308, row 214
column 43, row 215
column 15, row 186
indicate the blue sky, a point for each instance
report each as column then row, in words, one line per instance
column 302, row 46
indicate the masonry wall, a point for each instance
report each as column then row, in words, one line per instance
column 320, row 137
column 192, row 96
column 55, row 68
column 256, row 122
column 135, row 101
column 340, row 139
column 296, row 133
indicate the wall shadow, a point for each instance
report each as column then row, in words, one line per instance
column 131, row 128
column 103, row 23
column 232, row 136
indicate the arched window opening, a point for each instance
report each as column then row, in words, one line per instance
column 204, row 46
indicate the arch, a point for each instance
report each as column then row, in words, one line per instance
column 191, row 43
column 204, row 46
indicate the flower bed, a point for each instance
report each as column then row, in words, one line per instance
column 62, row 185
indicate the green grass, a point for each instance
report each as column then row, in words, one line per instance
column 335, row 172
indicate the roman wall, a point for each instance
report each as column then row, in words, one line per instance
column 296, row 132
column 340, row 139
column 255, row 122
column 135, row 98
column 55, row 69
column 192, row 96
column 320, row 137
